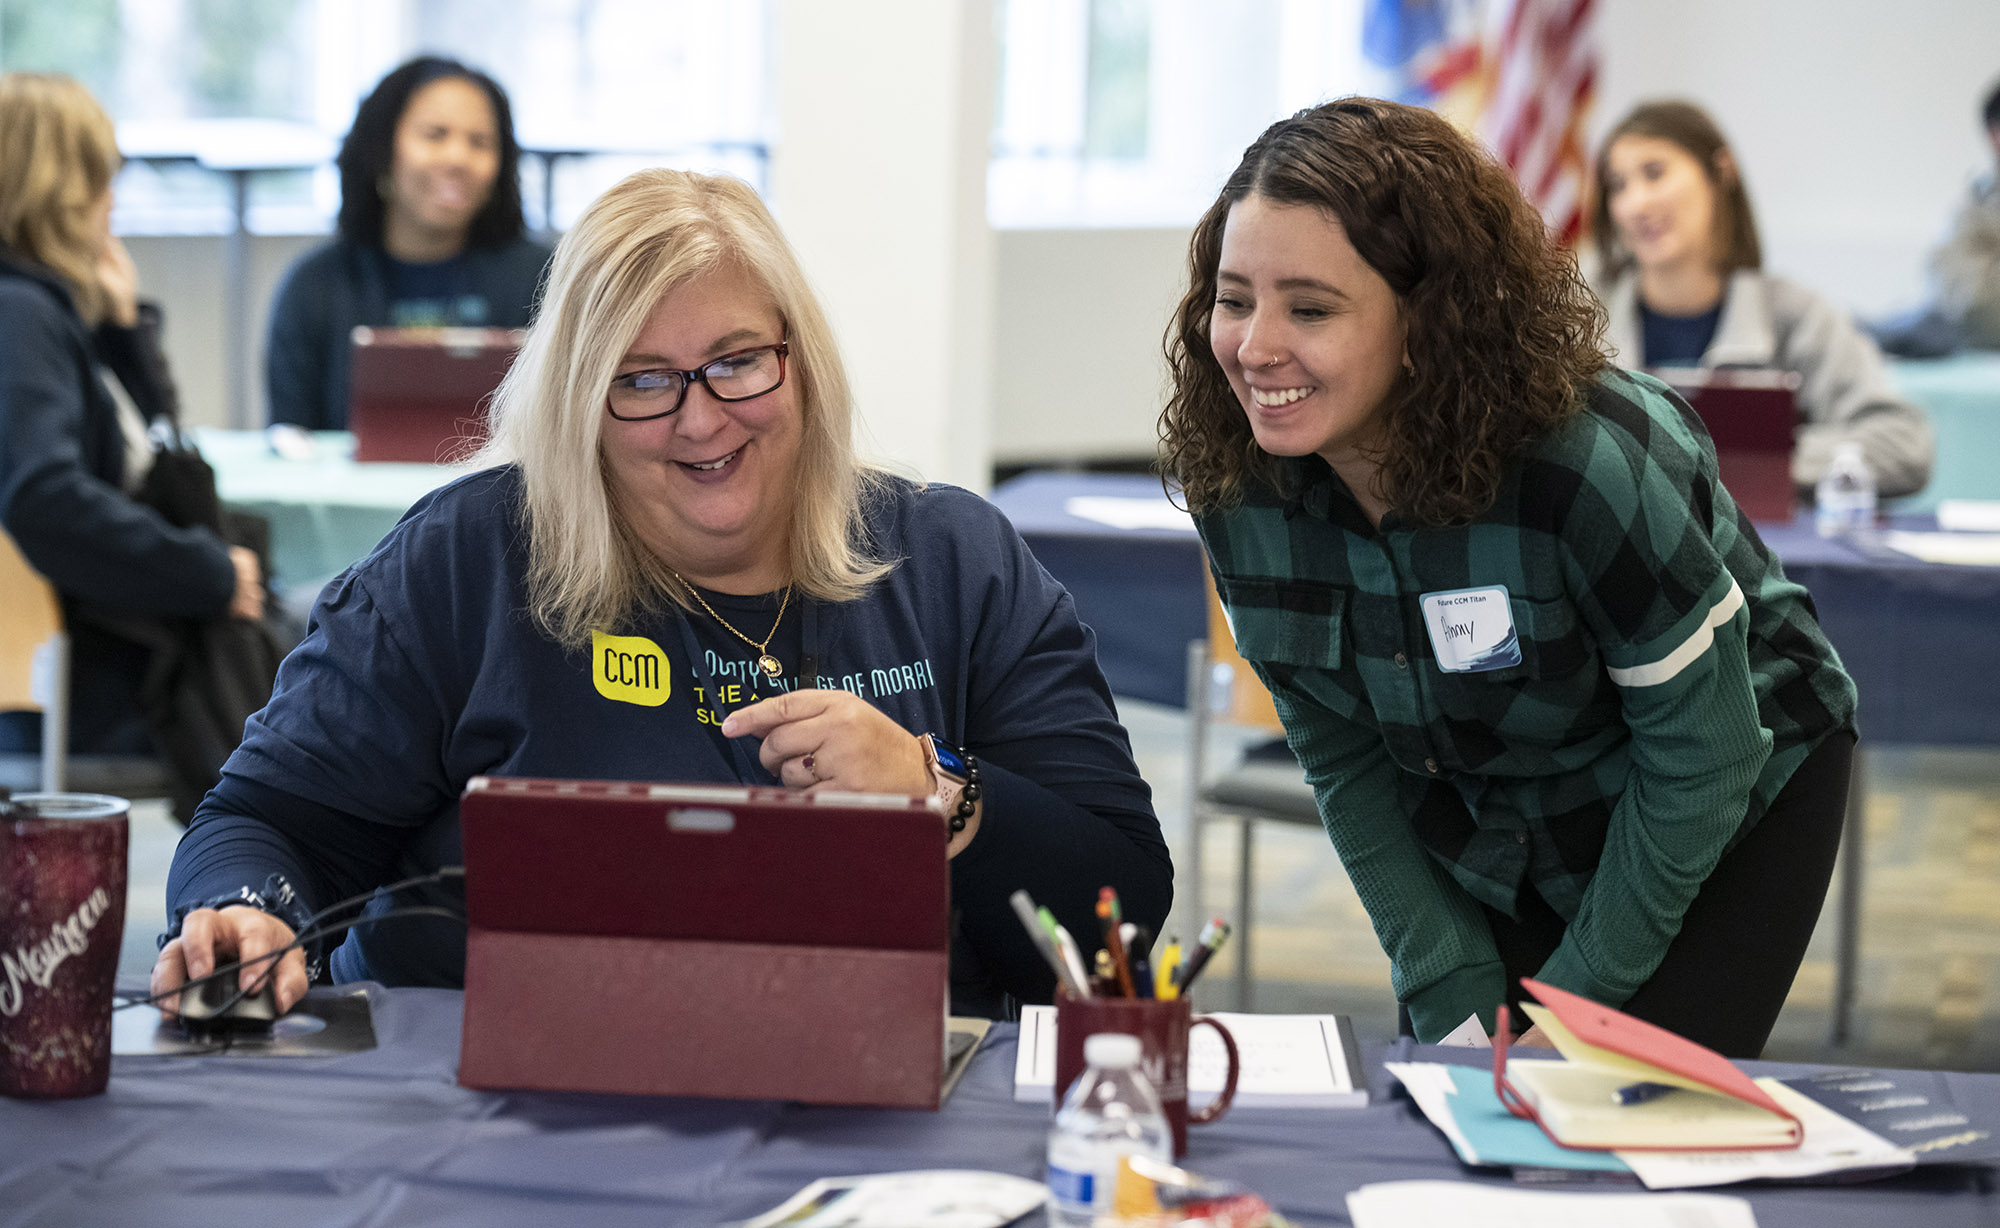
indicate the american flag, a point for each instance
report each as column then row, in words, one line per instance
column 1544, row 72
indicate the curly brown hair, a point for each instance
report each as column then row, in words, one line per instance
column 1502, row 329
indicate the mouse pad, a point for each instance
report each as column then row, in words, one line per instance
column 326, row 1022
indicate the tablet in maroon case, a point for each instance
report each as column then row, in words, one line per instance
column 704, row 941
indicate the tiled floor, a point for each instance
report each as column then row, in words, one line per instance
column 1930, row 955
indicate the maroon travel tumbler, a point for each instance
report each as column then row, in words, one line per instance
column 62, row 915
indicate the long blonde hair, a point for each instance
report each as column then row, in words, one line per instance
column 58, row 152
column 652, row 232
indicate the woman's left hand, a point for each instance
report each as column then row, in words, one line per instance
column 833, row 739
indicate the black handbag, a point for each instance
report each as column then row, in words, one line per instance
column 205, row 676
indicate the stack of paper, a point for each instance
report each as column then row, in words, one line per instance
column 1288, row 1061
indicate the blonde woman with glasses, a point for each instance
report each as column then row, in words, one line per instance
column 674, row 568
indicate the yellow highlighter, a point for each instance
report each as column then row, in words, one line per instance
column 1163, row 972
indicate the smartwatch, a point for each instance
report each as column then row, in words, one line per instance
column 956, row 778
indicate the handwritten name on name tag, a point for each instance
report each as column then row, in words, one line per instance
column 1472, row 629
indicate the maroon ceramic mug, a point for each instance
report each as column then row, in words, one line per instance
column 1162, row 1026
column 62, row 917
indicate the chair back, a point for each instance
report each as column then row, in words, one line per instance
column 1236, row 695
column 34, row 658
column 31, row 627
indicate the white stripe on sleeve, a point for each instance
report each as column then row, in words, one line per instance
column 1690, row 649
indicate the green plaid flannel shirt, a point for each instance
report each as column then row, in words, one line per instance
column 1671, row 680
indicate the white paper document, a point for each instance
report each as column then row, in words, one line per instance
column 1832, row 1144
column 938, row 1198
column 1400, row 1204
column 1969, row 515
column 1469, row 1035
column 1122, row 513
column 1288, row 1061
column 1965, row 549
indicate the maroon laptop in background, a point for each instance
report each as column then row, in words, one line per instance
column 698, row 940
column 1753, row 416
column 420, row 394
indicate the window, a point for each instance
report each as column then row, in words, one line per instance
column 1133, row 112
column 599, row 88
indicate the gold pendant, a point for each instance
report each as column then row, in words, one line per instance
column 769, row 664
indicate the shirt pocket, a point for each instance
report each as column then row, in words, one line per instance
column 1299, row 623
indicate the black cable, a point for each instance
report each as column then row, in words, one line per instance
column 313, row 931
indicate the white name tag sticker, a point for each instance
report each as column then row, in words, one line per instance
column 1472, row 629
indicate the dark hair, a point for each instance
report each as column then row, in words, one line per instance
column 1991, row 111
column 370, row 148
column 1689, row 127
column 1502, row 330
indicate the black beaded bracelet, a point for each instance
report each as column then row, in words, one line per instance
column 968, row 800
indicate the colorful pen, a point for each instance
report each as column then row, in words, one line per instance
column 1107, row 919
column 1213, row 935
column 1044, row 940
column 1640, row 1093
column 1136, row 941
column 1072, row 956
column 1167, row 969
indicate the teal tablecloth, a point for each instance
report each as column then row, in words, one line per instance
column 326, row 512
column 1962, row 395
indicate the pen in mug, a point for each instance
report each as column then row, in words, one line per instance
column 1213, row 935
column 1108, row 918
column 1044, row 940
column 1136, row 941
column 1167, row 969
column 1071, row 954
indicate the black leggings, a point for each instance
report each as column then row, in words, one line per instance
column 1726, row 974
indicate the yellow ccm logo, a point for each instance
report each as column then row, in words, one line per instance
column 630, row 669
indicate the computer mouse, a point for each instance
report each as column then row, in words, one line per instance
column 216, row 1005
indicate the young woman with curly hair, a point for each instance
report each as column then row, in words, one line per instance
column 1564, row 715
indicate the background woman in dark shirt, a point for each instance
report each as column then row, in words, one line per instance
column 430, row 235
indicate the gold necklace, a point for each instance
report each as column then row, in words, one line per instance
column 765, row 661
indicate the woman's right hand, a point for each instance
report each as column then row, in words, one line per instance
column 211, row 937
column 120, row 279
column 248, row 600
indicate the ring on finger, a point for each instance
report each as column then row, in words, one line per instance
column 807, row 764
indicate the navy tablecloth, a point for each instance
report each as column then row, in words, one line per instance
column 1922, row 640
column 388, row 1137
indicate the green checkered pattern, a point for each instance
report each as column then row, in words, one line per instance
column 1671, row 680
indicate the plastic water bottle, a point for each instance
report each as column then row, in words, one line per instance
column 1845, row 497
column 1110, row 1112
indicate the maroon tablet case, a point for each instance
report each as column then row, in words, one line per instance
column 1753, row 417
column 704, row 941
column 420, row 394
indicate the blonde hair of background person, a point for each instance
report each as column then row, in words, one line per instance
column 655, row 231
column 58, row 154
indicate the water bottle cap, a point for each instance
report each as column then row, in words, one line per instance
column 1112, row 1050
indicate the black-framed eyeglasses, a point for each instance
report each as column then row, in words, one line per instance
column 640, row 396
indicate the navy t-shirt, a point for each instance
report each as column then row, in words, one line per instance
column 423, row 669
column 1677, row 341
column 443, row 294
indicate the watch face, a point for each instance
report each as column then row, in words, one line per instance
column 948, row 759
